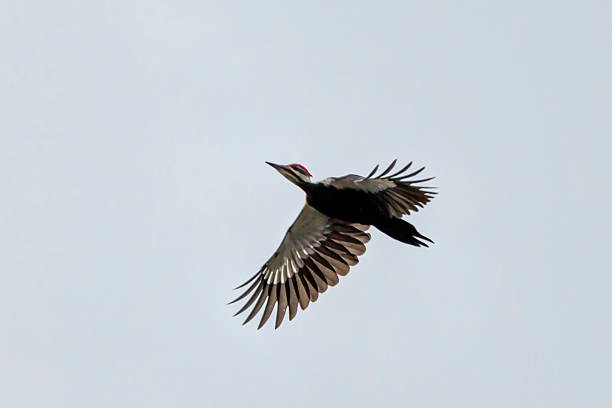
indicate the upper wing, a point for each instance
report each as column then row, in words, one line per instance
column 394, row 194
column 315, row 250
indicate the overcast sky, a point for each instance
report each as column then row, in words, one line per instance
column 135, row 197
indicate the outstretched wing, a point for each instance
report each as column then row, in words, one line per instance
column 395, row 195
column 315, row 250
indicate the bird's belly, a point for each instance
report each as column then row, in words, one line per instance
column 346, row 206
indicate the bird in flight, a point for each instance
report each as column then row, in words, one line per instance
column 330, row 233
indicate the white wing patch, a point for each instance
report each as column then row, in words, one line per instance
column 307, row 231
column 315, row 250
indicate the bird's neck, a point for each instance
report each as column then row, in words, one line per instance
column 305, row 185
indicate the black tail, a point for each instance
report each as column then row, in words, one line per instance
column 403, row 231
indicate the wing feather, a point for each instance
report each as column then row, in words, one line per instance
column 316, row 271
column 246, row 292
column 293, row 298
column 252, row 299
column 372, row 172
column 394, row 195
column 339, row 265
column 282, row 304
column 353, row 245
column 310, row 285
column 269, row 306
column 397, row 173
column 388, row 169
column 262, row 298
column 304, row 298
column 315, row 251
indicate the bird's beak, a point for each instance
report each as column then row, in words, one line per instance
column 279, row 167
column 283, row 170
column 276, row 166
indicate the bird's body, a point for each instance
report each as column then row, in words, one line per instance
column 347, row 204
column 329, row 234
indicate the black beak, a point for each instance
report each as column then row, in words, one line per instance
column 276, row 166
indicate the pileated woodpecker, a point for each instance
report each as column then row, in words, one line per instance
column 330, row 232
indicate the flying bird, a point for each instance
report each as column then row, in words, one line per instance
column 330, row 233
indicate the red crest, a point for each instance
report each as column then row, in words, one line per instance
column 302, row 167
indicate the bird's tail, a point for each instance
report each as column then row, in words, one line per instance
column 402, row 231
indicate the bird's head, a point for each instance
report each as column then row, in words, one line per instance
column 295, row 173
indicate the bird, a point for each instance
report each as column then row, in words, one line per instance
column 329, row 235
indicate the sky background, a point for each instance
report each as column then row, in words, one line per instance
column 135, row 197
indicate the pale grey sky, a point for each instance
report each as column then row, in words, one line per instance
column 135, row 196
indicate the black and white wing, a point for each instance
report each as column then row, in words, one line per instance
column 395, row 195
column 315, row 250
